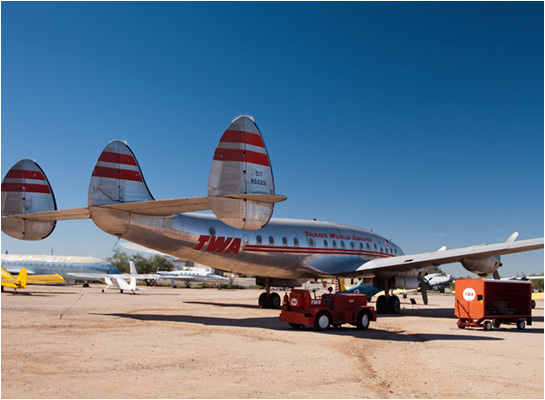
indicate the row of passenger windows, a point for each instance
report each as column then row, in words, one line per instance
column 326, row 243
column 312, row 242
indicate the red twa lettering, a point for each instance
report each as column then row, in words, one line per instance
column 219, row 244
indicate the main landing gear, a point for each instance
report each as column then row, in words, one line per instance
column 388, row 304
column 268, row 299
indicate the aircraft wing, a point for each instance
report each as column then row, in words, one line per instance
column 45, row 279
column 113, row 276
column 408, row 262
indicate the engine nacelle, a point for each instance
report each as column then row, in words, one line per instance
column 396, row 283
column 279, row 282
column 482, row 266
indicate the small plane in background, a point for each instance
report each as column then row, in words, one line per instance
column 24, row 279
column 437, row 281
column 201, row 275
column 241, row 237
column 51, row 265
column 118, row 280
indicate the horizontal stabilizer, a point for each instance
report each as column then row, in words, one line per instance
column 26, row 190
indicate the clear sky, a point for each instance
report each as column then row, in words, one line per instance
column 422, row 121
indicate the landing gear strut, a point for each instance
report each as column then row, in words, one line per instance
column 388, row 303
column 268, row 299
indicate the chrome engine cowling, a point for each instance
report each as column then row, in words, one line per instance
column 482, row 266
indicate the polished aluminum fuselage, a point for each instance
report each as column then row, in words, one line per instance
column 284, row 248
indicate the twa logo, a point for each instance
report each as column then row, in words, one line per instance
column 219, row 244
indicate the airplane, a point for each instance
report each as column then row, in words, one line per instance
column 61, row 265
column 240, row 237
column 118, row 280
column 437, row 281
column 23, row 279
column 193, row 275
column 363, row 288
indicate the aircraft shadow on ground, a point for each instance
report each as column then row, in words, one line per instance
column 274, row 323
column 209, row 303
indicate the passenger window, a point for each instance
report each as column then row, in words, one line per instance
column 325, row 243
column 334, row 243
column 271, row 240
column 311, row 241
column 296, row 241
column 285, row 240
column 342, row 244
column 259, row 239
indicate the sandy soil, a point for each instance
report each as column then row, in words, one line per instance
column 70, row 342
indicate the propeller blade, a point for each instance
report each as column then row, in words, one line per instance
column 423, row 289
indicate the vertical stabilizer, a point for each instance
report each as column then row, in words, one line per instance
column 25, row 189
column 117, row 177
column 241, row 184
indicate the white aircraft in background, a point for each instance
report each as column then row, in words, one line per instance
column 118, row 280
column 241, row 237
column 437, row 281
column 199, row 275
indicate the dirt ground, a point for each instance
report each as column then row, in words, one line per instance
column 71, row 342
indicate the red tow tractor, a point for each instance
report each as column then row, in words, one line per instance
column 300, row 310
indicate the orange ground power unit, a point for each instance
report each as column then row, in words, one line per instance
column 490, row 303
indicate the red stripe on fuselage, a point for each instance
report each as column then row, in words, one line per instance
column 118, row 158
column 25, row 188
column 240, row 155
column 115, row 173
column 250, row 138
column 24, row 174
column 313, row 250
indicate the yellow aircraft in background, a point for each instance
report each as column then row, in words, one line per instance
column 23, row 279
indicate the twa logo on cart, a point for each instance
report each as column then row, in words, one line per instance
column 469, row 294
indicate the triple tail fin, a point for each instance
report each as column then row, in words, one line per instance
column 25, row 190
column 117, row 177
column 241, row 184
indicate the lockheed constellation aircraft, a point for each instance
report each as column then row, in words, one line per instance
column 241, row 237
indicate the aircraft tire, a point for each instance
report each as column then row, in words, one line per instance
column 322, row 321
column 273, row 301
column 262, row 302
column 381, row 304
column 393, row 306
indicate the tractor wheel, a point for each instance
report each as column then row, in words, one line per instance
column 521, row 324
column 488, row 326
column 322, row 321
column 363, row 320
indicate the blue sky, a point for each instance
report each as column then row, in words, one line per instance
column 422, row 121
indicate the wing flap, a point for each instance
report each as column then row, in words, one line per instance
column 408, row 262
